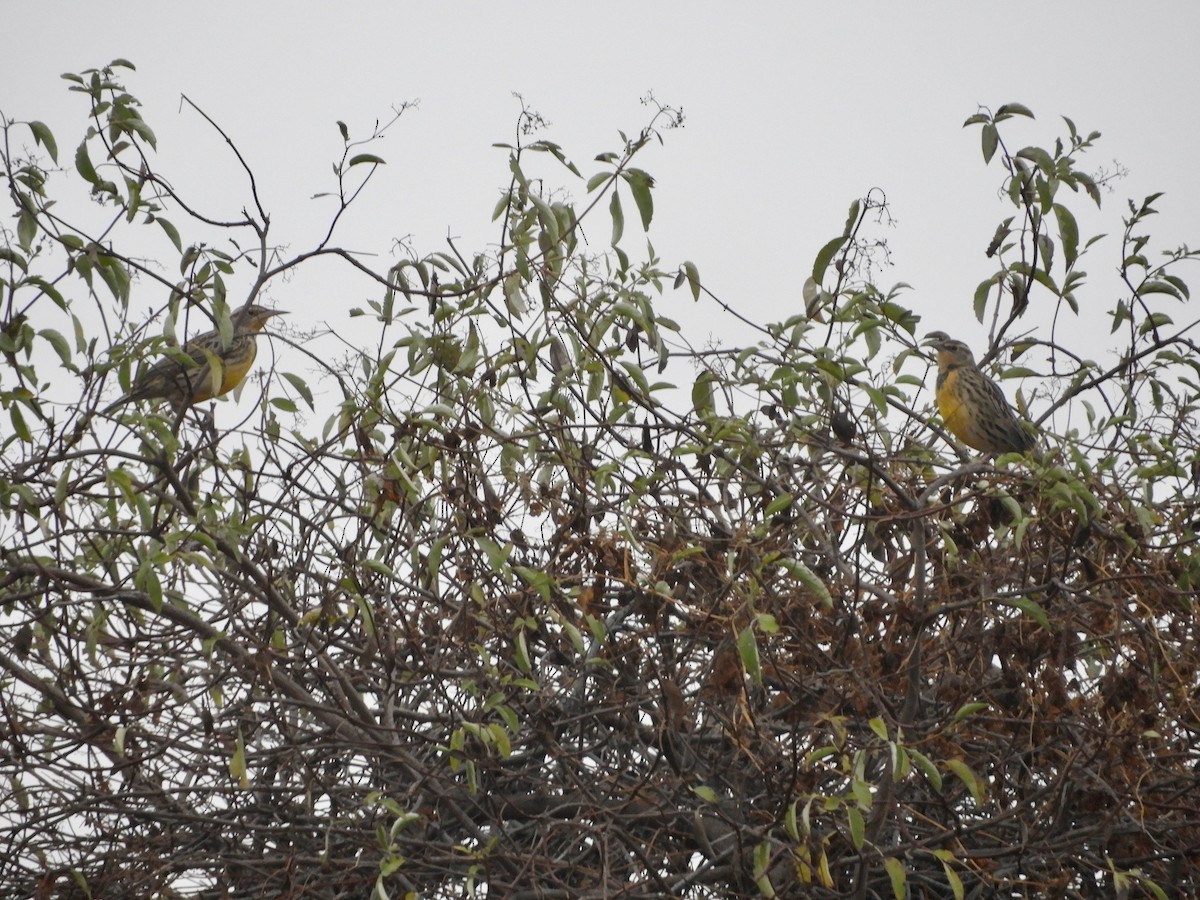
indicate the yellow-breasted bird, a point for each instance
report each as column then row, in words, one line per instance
column 972, row 405
column 219, row 366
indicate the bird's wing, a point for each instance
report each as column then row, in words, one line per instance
column 168, row 375
column 998, row 394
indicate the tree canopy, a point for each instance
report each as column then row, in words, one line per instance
column 503, row 588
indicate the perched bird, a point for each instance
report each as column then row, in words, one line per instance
column 972, row 405
column 183, row 385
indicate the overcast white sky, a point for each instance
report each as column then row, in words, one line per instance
column 792, row 110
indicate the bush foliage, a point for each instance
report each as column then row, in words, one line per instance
column 524, row 595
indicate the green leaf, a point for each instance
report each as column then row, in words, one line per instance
column 1180, row 286
column 1158, row 287
column 811, row 582
column 762, row 869
column 237, row 764
column 968, row 709
column 693, row 278
column 43, row 136
column 956, row 885
column 1042, row 277
column 618, row 219
column 344, row 130
column 895, row 870
column 1038, row 157
column 1068, row 234
column 366, row 158
column 858, row 828
column 83, row 165
column 19, row 426
column 1019, row 372
column 497, row 556
column 969, row 778
column 500, row 738
column 1046, row 249
column 171, row 231
column 514, row 295
column 301, row 387
column 26, row 230
column 146, row 579
column 748, row 651
column 12, row 256
column 138, row 126
column 791, row 822
column 116, row 276
column 1031, row 609
column 622, row 260
column 60, row 345
column 546, row 217
column 779, row 504
column 379, row 567
column 640, row 184
column 852, row 218
column 1089, row 186
column 556, row 151
column 1014, row 109
column 925, row 764
column 825, row 256
column 521, row 650
column 702, row 394
column 991, row 140
column 636, row 373
column 367, row 614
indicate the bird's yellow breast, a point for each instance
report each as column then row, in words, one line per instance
column 958, row 415
column 949, row 401
column 236, row 364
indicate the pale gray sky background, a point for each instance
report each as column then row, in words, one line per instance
column 792, row 111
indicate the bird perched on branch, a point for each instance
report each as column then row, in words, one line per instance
column 217, row 366
column 972, row 405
